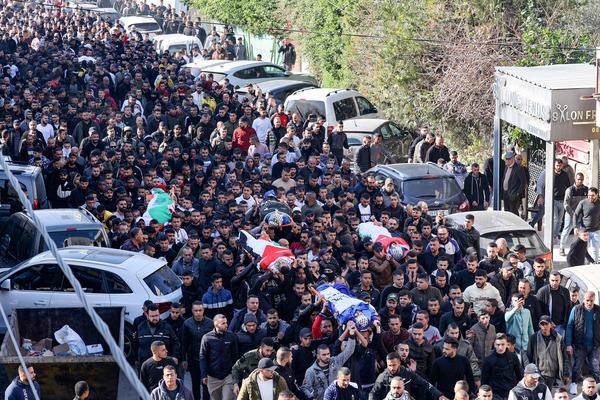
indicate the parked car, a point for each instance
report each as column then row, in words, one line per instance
column 141, row 24
column 243, row 73
column 196, row 67
column 425, row 182
column 583, row 278
column 175, row 42
column 20, row 238
column 109, row 277
column 279, row 88
column 493, row 225
column 31, row 179
column 357, row 129
column 334, row 104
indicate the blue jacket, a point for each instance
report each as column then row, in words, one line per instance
column 519, row 323
column 332, row 393
column 220, row 299
column 20, row 391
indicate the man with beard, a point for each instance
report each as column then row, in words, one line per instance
column 62, row 190
column 480, row 292
column 153, row 329
column 83, row 128
column 414, row 384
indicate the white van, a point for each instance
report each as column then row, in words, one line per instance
column 175, row 42
column 334, row 104
column 142, row 24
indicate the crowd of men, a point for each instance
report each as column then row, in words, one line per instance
column 108, row 119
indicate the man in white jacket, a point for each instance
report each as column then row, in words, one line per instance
column 481, row 291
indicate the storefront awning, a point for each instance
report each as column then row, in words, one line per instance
column 546, row 101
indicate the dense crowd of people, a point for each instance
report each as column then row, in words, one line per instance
column 108, row 120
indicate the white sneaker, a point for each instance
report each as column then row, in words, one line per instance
column 573, row 388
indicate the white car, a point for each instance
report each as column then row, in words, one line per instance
column 584, row 278
column 243, row 73
column 109, row 277
column 196, row 67
column 141, row 24
column 175, row 42
column 334, row 104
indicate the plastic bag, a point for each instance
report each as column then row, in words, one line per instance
column 72, row 339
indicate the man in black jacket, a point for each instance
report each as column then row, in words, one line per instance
column 151, row 330
column 414, row 384
column 193, row 331
column 501, row 369
column 513, row 182
column 556, row 302
column 218, row 354
column 362, row 157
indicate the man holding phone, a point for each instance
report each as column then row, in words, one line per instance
column 518, row 321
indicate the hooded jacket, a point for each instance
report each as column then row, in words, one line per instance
column 316, row 380
column 18, row 390
column 538, row 392
column 183, row 393
column 251, row 391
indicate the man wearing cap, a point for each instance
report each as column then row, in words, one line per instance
column 547, row 349
column 263, row 383
column 320, row 375
column 513, row 183
column 530, row 387
column 505, row 281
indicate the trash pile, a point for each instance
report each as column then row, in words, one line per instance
column 70, row 344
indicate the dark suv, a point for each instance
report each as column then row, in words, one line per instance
column 425, row 182
column 20, row 238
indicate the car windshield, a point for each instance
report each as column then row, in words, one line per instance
column 306, row 107
column 532, row 242
column 91, row 237
column 163, row 281
column 439, row 188
column 146, row 27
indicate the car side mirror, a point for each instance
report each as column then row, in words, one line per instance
column 5, row 285
column 287, row 73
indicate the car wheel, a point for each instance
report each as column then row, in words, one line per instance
column 128, row 343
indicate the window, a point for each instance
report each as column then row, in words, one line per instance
column 20, row 246
column 306, row 107
column 248, row 73
column 163, row 281
column 344, row 109
column 91, row 237
column 8, row 194
column 90, row 279
column 39, row 278
column 272, row 71
column 365, row 106
column 116, row 284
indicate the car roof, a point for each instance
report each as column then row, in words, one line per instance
column 275, row 84
column 319, row 93
column 235, row 65
column 59, row 217
column 20, row 168
column 493, row 221
column 110, row 259
column 204, row 63
column 416, row 170
column 137, row 19
column 363, row 125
